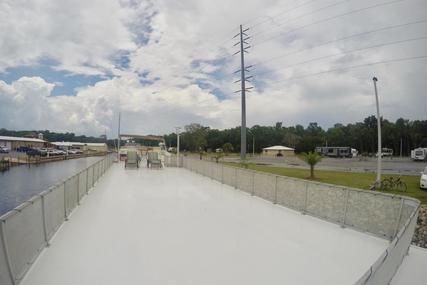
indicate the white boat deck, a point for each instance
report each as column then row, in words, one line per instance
column 173, row 226
column 413, row 269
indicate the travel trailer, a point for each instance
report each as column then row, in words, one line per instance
column 337, row 151
column 419, row 154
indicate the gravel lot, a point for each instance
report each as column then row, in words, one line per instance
column 395, row 165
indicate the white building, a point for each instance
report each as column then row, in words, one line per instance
column 278, row 151
column 101, row 147
column 15, row 142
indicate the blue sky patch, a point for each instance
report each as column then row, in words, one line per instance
column 65, row 83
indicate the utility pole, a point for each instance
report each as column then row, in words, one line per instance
column 118, row 141
column 378, row 181
column 244, row 45
column 177, row 145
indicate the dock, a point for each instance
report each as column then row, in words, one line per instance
column 206, row 223
column 173, row 226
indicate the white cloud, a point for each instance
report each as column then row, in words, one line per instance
column 81, row 36
column 164, row 39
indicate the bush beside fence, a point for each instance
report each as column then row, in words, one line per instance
column 388, row 216
column 27, row 229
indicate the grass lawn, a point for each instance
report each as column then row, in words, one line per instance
column 350, row 179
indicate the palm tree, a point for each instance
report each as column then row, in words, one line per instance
column 311, row 158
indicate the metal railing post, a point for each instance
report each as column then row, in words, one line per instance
column 6, row 252
column 46, row 239
column 78, row 189
column 93, row 175
column 347, row 195
column 87, row 180
column 275, row 190
column 304, row 211
column 222, row 174
column 253, row 183
column 65, row 202
column 399, row 218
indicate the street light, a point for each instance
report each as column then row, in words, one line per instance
column 177, row 145
column 378, row 181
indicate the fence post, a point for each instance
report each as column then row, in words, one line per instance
column 222, row 174
column 65, row 201
column 253, row 183
column 6, row 252
column 46, row 239
column 275, row 190
column 87, row 180
column 347, row 195
column 304, row 211
column 78, row 189
column 93, row 175
column 399, row 218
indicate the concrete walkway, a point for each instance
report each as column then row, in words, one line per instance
column 172, row 226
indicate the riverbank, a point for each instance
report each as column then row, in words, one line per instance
column 20, row 183
column 20, row 159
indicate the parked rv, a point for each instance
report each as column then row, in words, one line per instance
column 419, row 154
column 385, row 152
column 423, row 179
column 336, row 151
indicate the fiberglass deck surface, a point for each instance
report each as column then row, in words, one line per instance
column 413, row 269
column 173, row 226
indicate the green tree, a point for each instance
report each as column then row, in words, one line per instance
column 195, row 137
column 227, row 148
column 311, row 158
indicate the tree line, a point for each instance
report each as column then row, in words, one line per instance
column 53, row 136
column 401, row 134
column 360, row 135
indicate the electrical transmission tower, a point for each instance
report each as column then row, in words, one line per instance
column 244, row 46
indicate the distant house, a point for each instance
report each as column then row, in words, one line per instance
column 278, row 151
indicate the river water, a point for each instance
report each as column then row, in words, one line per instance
column 20, row 183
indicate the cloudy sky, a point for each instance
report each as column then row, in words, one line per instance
column 73, row 65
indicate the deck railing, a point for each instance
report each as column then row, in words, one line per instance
column 391, row 217
column 26, row 230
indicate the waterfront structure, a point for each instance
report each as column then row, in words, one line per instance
column 98, row 147
column 278, row 151
column 15, row 142
column 200, row 230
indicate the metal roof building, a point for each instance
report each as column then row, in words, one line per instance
column 15, row 142
column 278, row 150
column 82, row 146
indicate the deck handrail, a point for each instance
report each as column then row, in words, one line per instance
column 27, row 229
column 392, row 217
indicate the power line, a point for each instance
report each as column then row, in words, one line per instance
column 346, row 52
column 307, row 14
column 342, row 39
column 329, row 19
column 351, row 67
column 271, row 18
